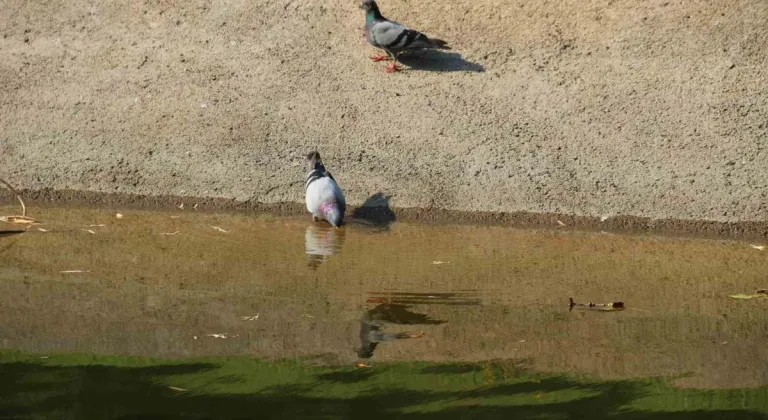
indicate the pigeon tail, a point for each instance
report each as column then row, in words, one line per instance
column 439, row 44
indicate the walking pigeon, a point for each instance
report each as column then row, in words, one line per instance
column 323, row 195
column 393, row 37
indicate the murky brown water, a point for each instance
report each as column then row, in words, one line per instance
column 174, row 284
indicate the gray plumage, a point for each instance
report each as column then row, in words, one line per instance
column 393, row 37
column 323, row 195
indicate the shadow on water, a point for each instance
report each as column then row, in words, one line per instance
column 35, row 390
column 348, row 376
column 10, row 232
column 393, row 308
column 373, row 321
column 439, row 61
column 376, row 212
column 321, row 242
column 453, row 369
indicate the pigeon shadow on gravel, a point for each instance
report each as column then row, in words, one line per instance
column 376, row 212
column 440, row 61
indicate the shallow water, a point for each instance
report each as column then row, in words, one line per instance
column 188, row 283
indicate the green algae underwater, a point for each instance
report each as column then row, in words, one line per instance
column 110, row 387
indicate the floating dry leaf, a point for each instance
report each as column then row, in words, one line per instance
column 560, row 223
column 171, row 233
column 758, row 247
column 250, row 318
column 219, row 229
column 223, row 335
column 759, row 294
column 119, row 216
column 362, row 365
column 74, row 271
column 89, row 231
column 440, row 262
column 19, row 220
column 43, row 230
column 173, row 388
column 102, row 225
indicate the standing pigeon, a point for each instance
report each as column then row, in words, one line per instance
column 324, row 197
column 393, row 37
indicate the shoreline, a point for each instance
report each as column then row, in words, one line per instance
column 703, row 229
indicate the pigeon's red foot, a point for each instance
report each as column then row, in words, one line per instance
column 378, row 58
column 392, row 68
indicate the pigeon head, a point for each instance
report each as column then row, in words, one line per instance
column 314, row 162
column 369, row 5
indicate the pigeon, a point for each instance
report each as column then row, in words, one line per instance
column 393, row 37
column 323, row 195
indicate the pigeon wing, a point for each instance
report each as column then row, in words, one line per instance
column 394, row 36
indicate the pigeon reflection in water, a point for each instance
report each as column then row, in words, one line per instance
column 393, row 308
column 373, row 321
column 321, row 242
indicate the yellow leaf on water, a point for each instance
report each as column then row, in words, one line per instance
column 19, row 220
column 754, row 296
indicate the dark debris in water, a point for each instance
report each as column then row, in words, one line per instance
column 613, row 306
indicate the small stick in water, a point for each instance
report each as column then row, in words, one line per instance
column 18, row 197
column 614, row 306
column 19, row 220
